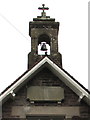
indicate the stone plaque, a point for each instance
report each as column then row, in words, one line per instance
column 45, row 93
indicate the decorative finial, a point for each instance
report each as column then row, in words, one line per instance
column 43, row 8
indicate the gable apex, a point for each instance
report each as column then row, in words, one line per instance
column 60, row 73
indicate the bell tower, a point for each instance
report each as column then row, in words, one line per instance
column 43, row 31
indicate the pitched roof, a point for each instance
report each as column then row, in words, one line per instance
column 79, row 89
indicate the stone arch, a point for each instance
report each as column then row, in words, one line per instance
column 44, row 38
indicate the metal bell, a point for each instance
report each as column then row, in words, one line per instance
column 43, row 47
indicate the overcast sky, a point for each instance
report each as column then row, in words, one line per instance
column 15, row 42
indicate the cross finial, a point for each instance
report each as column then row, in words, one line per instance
column 43, row 8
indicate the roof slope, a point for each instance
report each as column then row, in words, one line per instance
column 81, row 91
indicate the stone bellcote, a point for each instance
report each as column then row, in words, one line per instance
column 43, row 31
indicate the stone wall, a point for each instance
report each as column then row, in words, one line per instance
column 50, row 29
column 19, row 107
column 33, row 59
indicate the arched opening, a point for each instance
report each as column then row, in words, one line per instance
column 43, row 45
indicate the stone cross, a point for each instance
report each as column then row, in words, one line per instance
column 43, row 8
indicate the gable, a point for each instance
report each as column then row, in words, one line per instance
column 79, row 90
column 45, row 78
column 20, row 106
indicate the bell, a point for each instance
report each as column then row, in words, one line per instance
column 43, row 47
